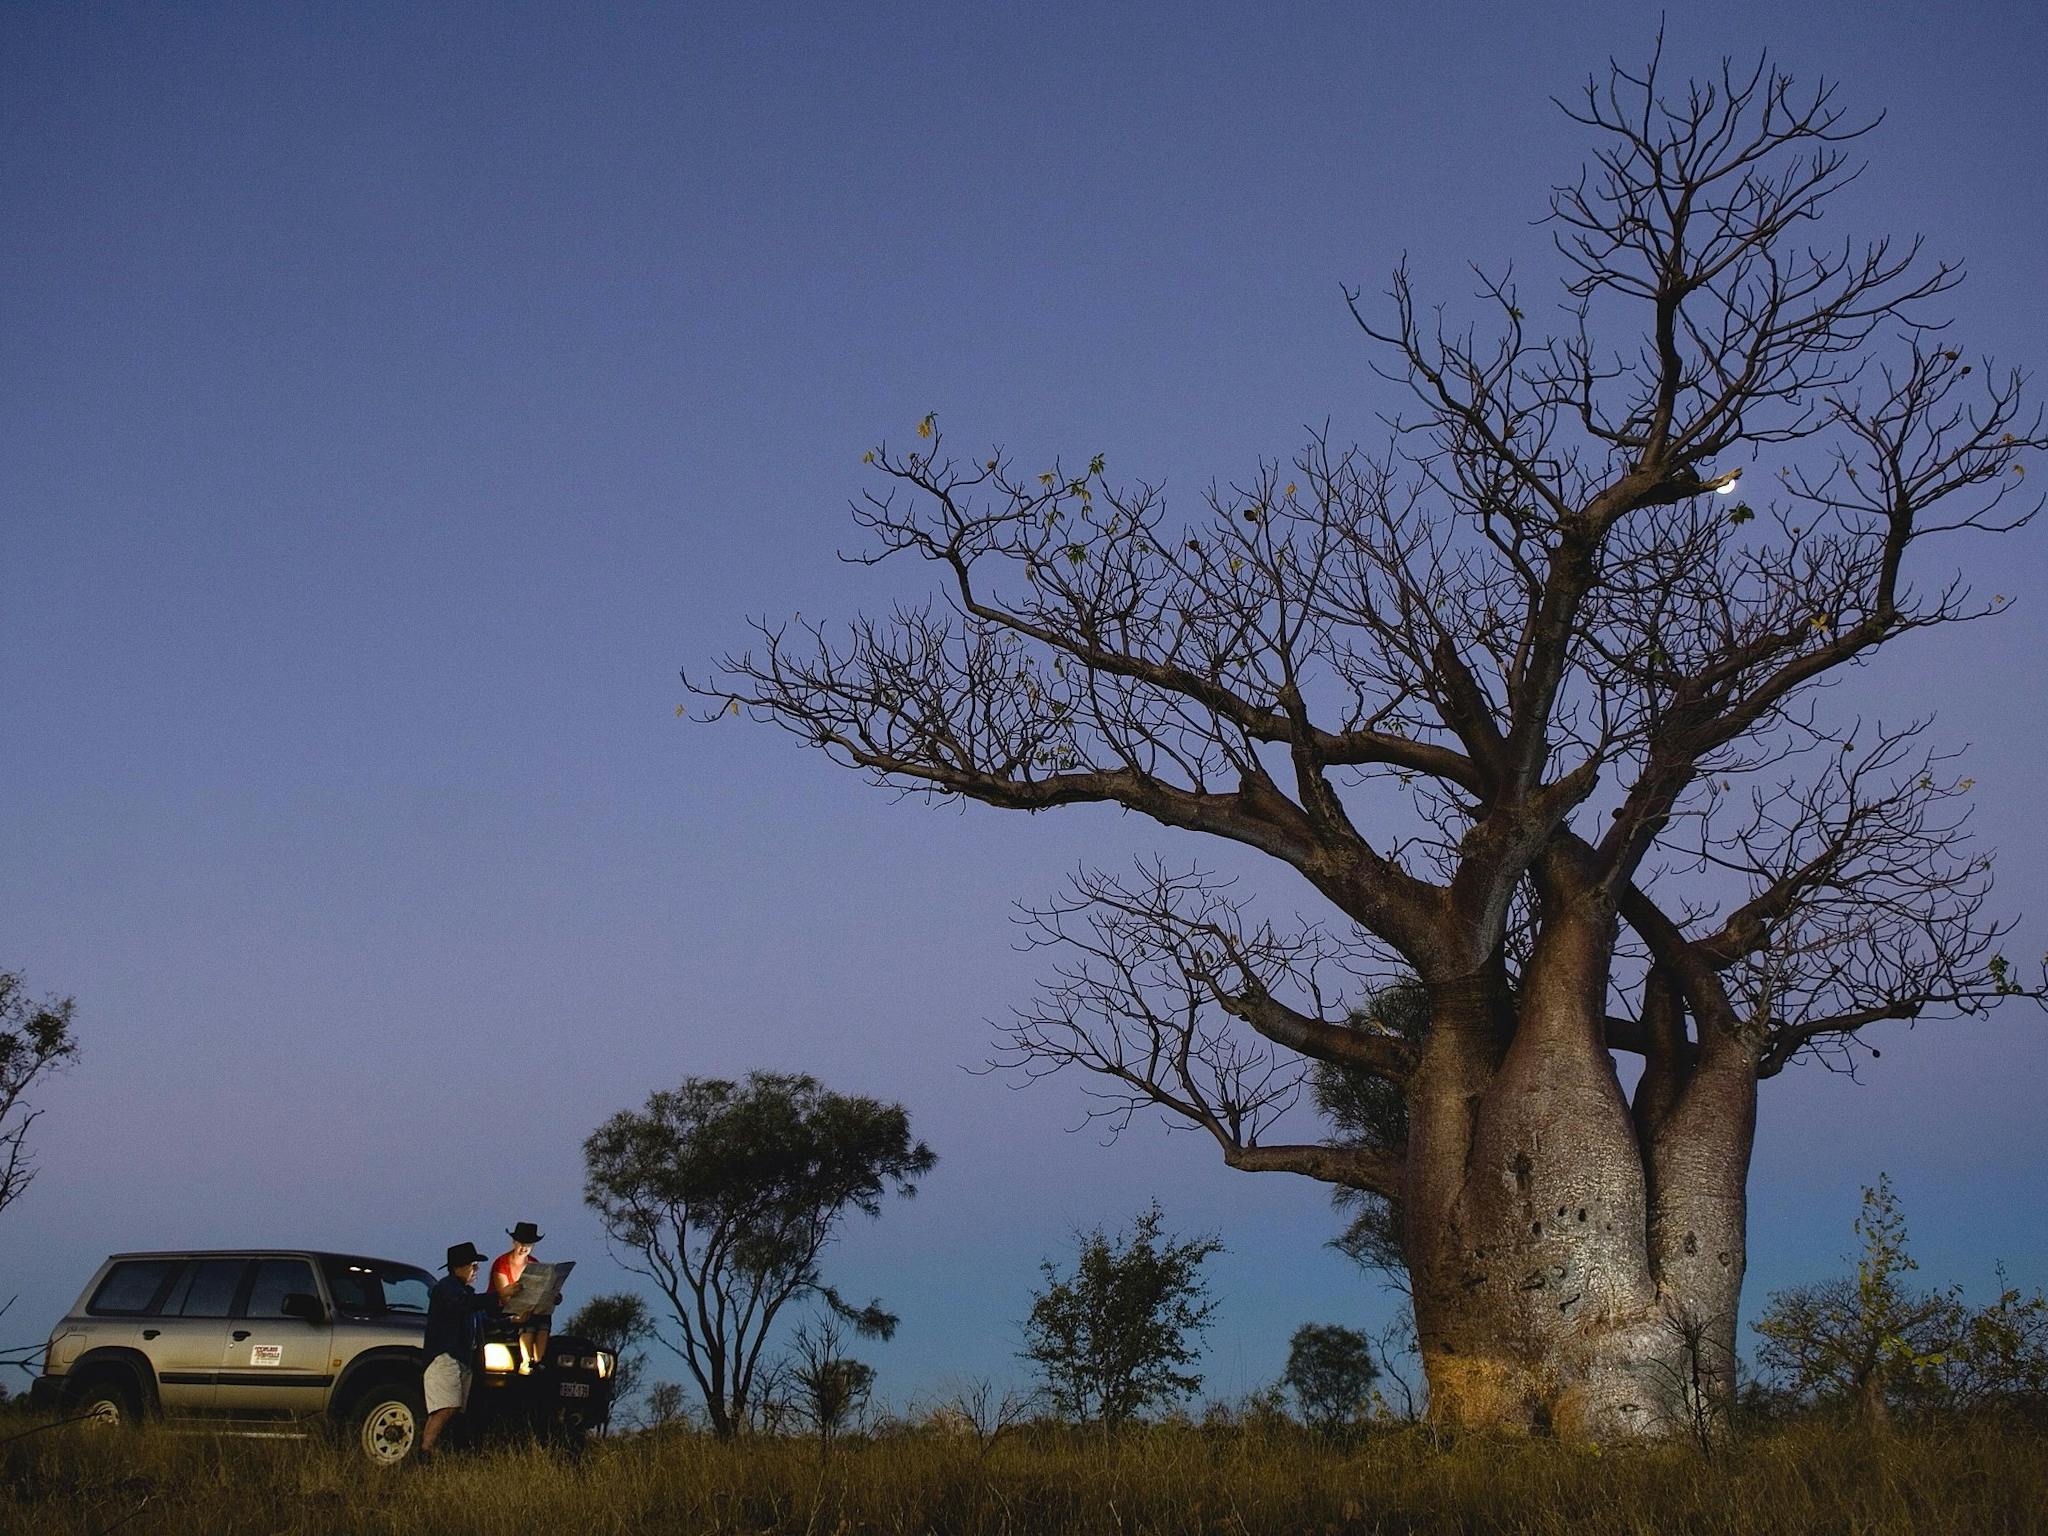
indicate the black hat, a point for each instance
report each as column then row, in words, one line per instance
column 461, row 1254
column 523, row 1232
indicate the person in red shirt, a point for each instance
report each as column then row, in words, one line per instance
column 506, row 1270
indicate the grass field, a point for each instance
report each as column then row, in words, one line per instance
column 1809, row 1479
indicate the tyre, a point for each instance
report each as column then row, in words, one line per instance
column 570, row 1437
column 384, row 1422
column 107, row 1399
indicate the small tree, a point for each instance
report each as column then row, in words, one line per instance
column 1860, row 1340
column 977, row 1408
column 828, row 1387
column 1394, row 1344
column 1114, row 1337
column 35, row 1040
column 617, row 1321
column 664, row 1403
column 2000, row 1356
column 1881, row 1345
column 1330, row 1370
column 724, row 1195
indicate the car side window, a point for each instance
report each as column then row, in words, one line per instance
column 355, row 1289
column 208, row 1289
column 375, row 1287
column 276, row 1279
column 132, row 1287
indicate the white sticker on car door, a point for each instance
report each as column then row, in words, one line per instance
column 266, row 1354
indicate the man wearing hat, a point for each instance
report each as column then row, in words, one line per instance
column 505, row 1272
column 454, row 1313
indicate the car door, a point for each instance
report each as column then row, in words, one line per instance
column 276, row 1364
column 192, row 1333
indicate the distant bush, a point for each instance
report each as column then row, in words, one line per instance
column 1879, row 1346
column 1116, row 1335
column 1330, row 1371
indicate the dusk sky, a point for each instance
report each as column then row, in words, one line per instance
column 394, row 398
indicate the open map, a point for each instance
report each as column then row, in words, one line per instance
column 538, row 1286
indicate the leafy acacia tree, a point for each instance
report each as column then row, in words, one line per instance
column 1117, row 1335
column 35, row 1040
column 1536, row 713
column 724, row 1195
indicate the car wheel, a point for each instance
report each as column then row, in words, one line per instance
column 107, row 1401
column 384, row 1425
column 571, row 1439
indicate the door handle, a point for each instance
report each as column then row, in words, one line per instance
column 150, row 1333
column 239, row 1334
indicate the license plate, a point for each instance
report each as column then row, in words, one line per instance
column 575, row 1389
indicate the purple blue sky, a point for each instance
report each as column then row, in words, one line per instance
column 393, row 399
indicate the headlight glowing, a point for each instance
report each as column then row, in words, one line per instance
column 603, row 1363
column 498, row 1357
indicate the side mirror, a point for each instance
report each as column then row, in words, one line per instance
column 304, row 1306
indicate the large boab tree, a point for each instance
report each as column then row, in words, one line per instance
column 1534, row 710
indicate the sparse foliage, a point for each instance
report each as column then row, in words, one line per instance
column 1116, row 1335
column 1370, row 1113
column 979, row 1409
column 665, row 1404
column 1393, row 1346
column 1864, row 1340
column 617, row 1321
column 1881, row 1346
column 35, row 1040
column 1691, row 1375
column 829, row 1388
column 1999, row 1359
column 1535, row 711
column 725, row 1194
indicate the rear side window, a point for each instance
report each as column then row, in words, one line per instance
column 275, row 1280
column 132, row 1287
column 208, row 1289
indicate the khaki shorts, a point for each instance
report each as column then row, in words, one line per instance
column 445, row 1383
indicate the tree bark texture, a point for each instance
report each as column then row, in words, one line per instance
column 1573, row 1271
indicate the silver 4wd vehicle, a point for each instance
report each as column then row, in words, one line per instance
column 265, row 1341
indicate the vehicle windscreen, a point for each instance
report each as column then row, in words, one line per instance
column 377, row 1287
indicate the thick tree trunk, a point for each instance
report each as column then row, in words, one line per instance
column 1697, row 1161
column 1570, row 1274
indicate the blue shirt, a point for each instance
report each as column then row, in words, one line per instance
column 454, row 1318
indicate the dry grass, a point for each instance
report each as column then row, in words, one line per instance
column 1809, row 1479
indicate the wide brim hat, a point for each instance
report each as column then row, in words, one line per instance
column 523, row 1232
column 464, row 1253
